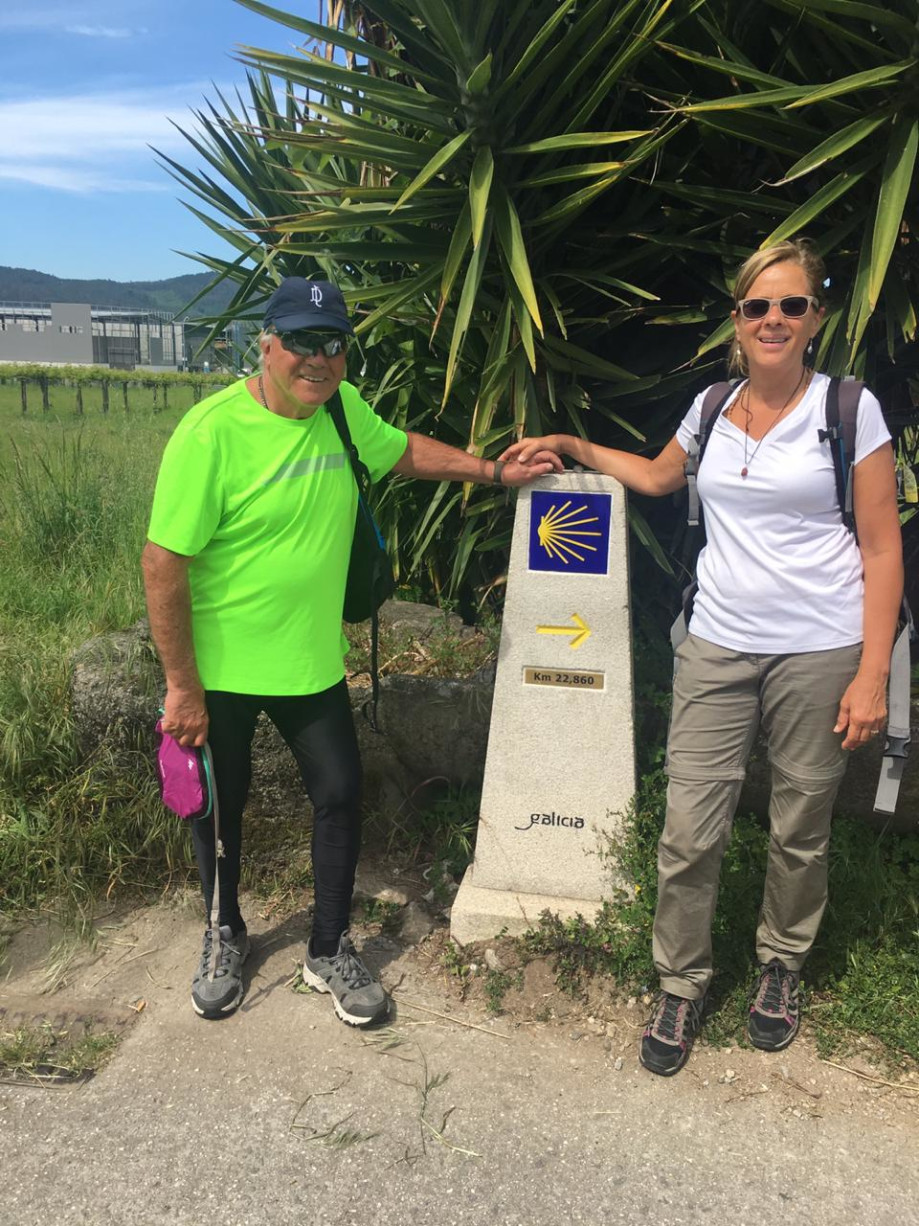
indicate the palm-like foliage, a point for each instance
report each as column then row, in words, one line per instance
column 825, row 95
column 510, row 193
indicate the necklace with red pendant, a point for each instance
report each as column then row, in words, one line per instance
column 748, row 459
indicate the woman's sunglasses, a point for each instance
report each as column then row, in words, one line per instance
column 792, row 307
column 307, row 344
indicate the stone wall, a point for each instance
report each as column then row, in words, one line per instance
column 431, row 729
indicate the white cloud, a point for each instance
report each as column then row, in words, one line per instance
column 94, row 142
column 74, row 179
column 102, row 31
column 88, row 21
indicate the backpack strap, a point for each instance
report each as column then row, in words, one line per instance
column 896, row 745
column 716, row 398
column 842, row 399
column 362, row 477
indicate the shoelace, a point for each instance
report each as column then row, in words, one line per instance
column 668, row 1024
column 770, row 998
column 352, row 970
column 224, row 950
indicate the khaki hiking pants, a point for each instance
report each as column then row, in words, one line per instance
column 720, row 698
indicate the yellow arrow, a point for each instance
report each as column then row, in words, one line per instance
column 581, row 634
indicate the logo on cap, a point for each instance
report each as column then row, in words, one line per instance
column 316, row 295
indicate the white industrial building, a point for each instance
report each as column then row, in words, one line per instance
column 75, row 333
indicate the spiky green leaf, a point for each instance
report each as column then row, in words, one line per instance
column 896, row 180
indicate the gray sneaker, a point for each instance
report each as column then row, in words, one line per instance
column 219, row 996
column 358, row 998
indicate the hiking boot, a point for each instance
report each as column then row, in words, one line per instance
column 774, row 1019
column 358, row 998
column 219, row 996
column 668, row 1036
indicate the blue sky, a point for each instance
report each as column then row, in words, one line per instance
column 87, row 86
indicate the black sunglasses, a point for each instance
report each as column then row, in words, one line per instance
column 794, row 306
column 307, row 344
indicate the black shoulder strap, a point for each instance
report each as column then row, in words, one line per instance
column 358, row 467
column 842, row 399
column 716, row 397
column 362, row 477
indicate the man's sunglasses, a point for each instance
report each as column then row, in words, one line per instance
column 792, row 307
column 307, row 344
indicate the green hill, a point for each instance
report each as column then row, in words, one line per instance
column 172, row 294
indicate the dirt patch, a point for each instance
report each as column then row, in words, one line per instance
column 58, row 1014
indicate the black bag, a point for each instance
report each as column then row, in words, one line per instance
column 370, row 577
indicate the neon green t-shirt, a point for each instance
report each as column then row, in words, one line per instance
column 265, row 506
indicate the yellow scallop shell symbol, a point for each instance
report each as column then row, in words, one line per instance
column 562, row 532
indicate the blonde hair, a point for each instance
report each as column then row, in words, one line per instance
column 800, row 251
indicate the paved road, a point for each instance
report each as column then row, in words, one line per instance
column 224, row 1122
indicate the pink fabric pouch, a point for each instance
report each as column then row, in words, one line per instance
column 185, row 776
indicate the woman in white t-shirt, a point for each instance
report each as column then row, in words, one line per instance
column 791, row 631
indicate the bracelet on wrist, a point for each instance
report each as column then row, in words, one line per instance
column 496, row 477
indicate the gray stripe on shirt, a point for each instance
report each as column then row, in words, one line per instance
column 302, row 468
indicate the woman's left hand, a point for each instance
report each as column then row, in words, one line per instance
column 862, row 711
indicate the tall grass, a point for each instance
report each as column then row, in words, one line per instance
column 74, row 497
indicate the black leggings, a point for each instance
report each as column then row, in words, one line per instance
column 320, row 732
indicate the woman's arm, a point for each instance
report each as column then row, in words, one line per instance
column 662, row 475
column 863, row 710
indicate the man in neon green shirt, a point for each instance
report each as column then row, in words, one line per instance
column 245, row 570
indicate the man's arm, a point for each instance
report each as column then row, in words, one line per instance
column 436, row 461
column 169, row 610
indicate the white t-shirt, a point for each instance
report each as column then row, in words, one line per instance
column 780, row 572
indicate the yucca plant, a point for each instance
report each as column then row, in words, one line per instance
column 819, row 102
column 812, row 109
column 447, row 179
column 510, row 194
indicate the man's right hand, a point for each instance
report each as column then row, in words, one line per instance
column 185, row 716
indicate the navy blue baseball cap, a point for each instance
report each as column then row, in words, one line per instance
column 298, row 303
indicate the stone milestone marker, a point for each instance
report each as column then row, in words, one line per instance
column 560, row 767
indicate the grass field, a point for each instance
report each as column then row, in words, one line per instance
column 74, row 497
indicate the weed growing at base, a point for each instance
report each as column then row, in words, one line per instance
column 862, row 977
column 439, row 829
column 39, row 1054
